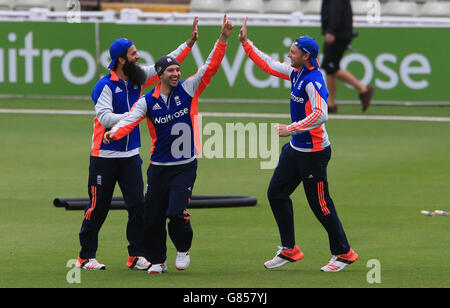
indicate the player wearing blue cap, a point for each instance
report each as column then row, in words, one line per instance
column 119, row 161
column 306, row 157
column 171, row 110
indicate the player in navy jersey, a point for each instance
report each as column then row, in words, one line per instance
column 306, row 157
column 172, row 115
column 119, row 162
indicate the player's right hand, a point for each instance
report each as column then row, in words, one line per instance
column 243, row 32
column 108, row 137
column 227, row 27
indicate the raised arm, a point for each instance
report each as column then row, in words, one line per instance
column 180, row 54
column 262, row 60
column 195, row 84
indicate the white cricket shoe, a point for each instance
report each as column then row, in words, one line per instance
column 139, row 263
column 339, row 262
column 182, row 260
column 90, row 264
column 158, row 268
column 284, row 256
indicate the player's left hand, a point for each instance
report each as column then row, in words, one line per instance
column 243, row 32
column 281, row 130
column 194, row 36
column 108, row 137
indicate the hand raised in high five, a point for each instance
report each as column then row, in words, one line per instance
column 227, row 27
column 243, row 32
column 194, row 36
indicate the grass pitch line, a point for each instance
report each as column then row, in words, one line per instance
column 242, row 115
column 339, row 117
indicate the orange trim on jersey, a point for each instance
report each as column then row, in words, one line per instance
column 196, row 124
column 317, row 133
column 261, row 63
column 156, row 93
column 125, row 130
column 210, row 71
column 114, row 76
column 97, row 138
column 309, row 66
column 183, row 54
column 152, row 131
column 152, row 80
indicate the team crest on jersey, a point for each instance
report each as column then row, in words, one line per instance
column 177, row 100
column 300, row 85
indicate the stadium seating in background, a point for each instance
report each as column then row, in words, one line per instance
column 282, row 6
column 245, row 6
column 212, row 6
column 434, row 9
column 399, row 8
column 360, row 8
column 6, row 5
column 23, row 5
column 59, row 5
column 312, row 7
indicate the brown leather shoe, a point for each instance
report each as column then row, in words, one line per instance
column 366, row 97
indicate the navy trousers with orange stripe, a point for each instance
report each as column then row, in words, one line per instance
column 104, row 173
column 169, row 189
column 310, row 168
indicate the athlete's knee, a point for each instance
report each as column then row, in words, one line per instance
column 276, row 193
column 177, row 216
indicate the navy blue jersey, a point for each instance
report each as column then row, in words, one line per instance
column 308, row 100
column 173, row 121
column 113, row 99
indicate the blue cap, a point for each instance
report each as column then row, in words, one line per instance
column 117, row 48
column 309, row 45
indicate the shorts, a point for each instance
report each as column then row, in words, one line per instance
column 332, row 55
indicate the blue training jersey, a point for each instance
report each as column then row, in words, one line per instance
column 308, row 100
column 173, row 120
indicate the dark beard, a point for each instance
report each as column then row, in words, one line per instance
column 134, row 73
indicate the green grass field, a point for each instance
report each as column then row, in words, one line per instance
column 382, row 173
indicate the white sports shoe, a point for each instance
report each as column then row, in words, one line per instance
column 90, row 264
column 139, row 263
column 182, row 260
column 284, row 256
column 158, row 268
column 339, row 262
